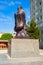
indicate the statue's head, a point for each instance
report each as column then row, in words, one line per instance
column 19, row 8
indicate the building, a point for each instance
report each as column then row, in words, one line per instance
column 37, row 14
column 1, row 34
column 14, row 34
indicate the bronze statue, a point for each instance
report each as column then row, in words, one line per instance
column 20, row 24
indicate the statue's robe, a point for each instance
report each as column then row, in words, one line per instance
column 20, row 21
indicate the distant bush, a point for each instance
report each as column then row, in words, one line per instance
column 6, row 36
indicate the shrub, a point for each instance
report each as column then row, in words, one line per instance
column 6, row 36
column 32, row 30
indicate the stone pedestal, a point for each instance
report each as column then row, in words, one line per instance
column 19, row 48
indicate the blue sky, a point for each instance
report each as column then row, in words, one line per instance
column 7, row 10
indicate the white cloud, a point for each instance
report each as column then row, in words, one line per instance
column 10, row 3
column 28, row 16
column 27, row 12
column 5, row 19
column 14, row 3
column 18, row 2
column 6, row 22
column 4, row 4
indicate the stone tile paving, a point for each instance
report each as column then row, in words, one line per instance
column 20, row 61
column 28, row 63
column 3, row 59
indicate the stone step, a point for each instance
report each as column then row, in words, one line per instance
column 21, row 61
column 25, row 63
column 3, row 51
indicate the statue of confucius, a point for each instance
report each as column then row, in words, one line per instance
column 20, row 23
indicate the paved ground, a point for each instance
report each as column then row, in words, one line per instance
column 6, row 60
column 32, row 63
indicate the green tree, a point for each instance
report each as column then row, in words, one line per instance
column 6, row 36
column 33, row 30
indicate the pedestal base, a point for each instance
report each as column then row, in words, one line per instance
column 19, row 48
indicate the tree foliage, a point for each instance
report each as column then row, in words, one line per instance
column 33, row 30
column 6, row 36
